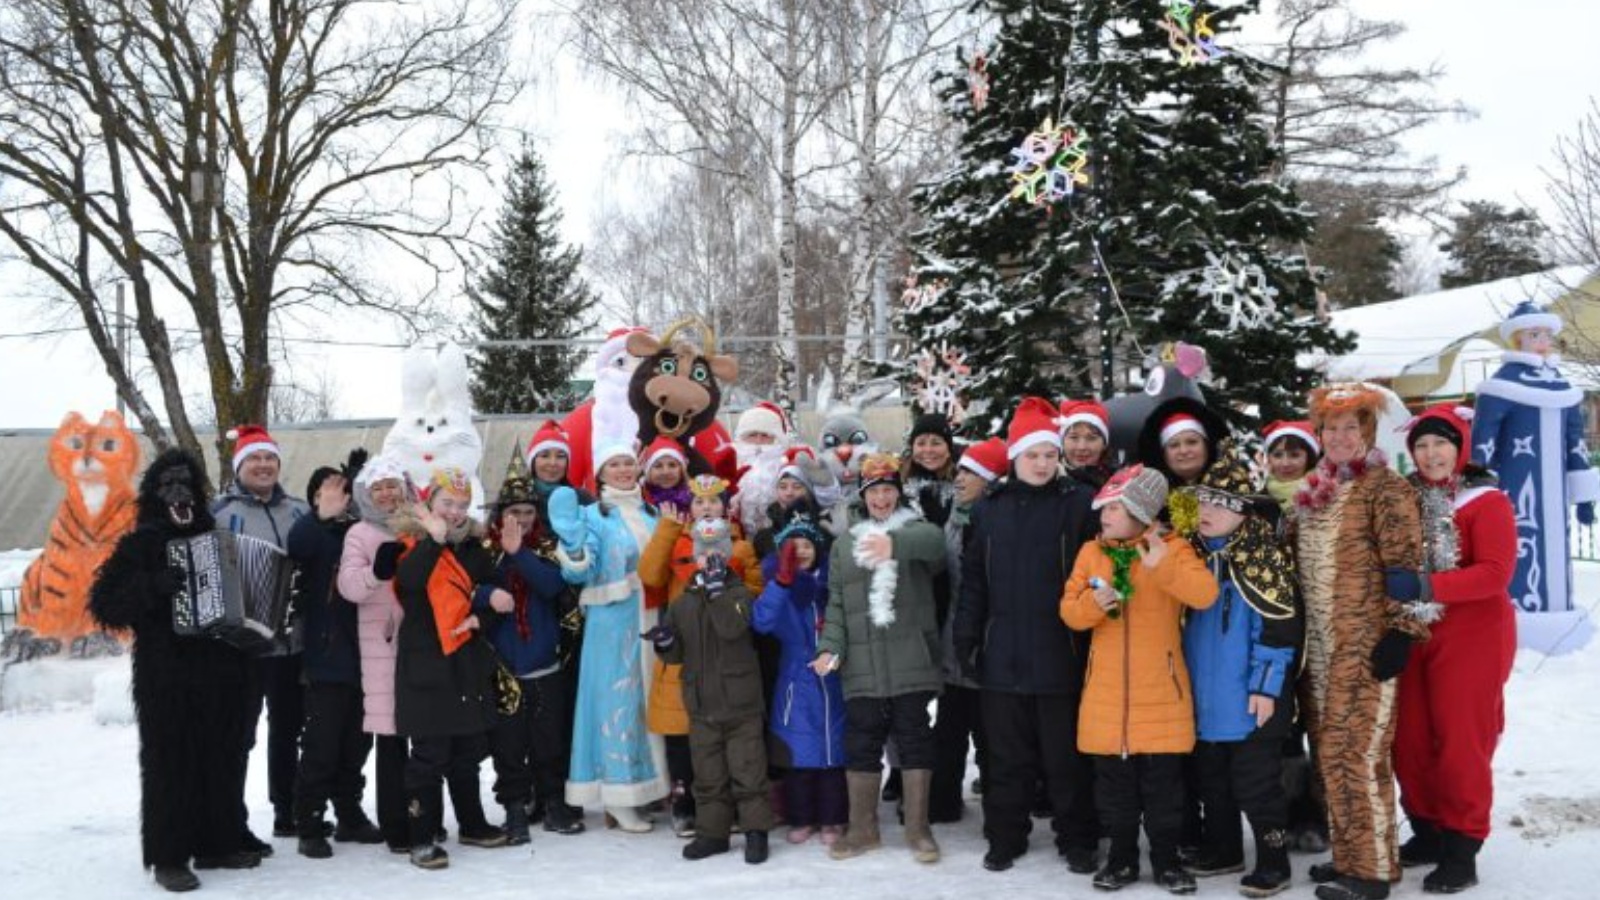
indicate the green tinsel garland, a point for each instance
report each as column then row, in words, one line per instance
column 1122, row 559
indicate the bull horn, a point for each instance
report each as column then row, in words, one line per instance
column 707, row 336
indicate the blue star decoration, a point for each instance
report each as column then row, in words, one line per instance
column 1487, row 449
column 1522, row 446
column 1579, row 450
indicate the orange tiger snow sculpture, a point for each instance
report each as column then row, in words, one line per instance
column 98, row 462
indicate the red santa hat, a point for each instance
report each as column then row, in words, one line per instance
column 664, row 447
column 1087, row 412
column 765, row 417
column 986, row 459
column 795, row 461
column 1033, row 423
column 1178, row 423
column 550, row 436
column 248, row 439
column 616, row 344
column 1276, row 431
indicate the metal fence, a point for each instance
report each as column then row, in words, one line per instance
column 8, row 608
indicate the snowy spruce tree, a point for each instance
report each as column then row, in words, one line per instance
column 530, row 289
column 1179, row 216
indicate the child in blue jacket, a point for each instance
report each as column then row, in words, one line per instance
column 1242, row 661
column 530, row 747
column 807, row 716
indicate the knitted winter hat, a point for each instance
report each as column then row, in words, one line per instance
column 661, row 448
column 802, row 525
column 1034, row 422
column 1087, row 412
column 1277, row 431
column 518, row 485
column 1141, row 491
column 880, row 468
column 1446, row 420
column 711, row 536
column 763, row 418
column 987, row 459
column 932, row 423
column 550, row 436
column 1227, row 483
column 1526, row 315
column 248, row 439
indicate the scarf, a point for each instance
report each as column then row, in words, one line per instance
column 1322, row 483
column 1283, row 491
column 885, row 574
column 678, row 495
column 1256, row 564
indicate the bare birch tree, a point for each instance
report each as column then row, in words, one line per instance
column 230, row 159
column 732, row 86
column 1341, row 120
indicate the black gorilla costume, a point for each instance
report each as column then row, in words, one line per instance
column 190, row 693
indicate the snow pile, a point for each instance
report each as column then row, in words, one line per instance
column 113, row 695
column 42, row 684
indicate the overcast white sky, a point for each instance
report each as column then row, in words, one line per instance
column 1528, row 69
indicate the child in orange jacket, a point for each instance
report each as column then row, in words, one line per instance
column 1130, row 587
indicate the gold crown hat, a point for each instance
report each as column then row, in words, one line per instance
column 450, row 478
column 705, row 486
column 518, row 485
column 880, row 468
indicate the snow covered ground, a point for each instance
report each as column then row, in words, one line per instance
column 69, row 826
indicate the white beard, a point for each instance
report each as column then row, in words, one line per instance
column 758, row 487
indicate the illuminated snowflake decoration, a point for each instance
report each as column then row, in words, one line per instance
column 943, row 376
column 1239, row 289
column 1049, row 165
column 918, row 297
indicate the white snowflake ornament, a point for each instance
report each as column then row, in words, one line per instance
column 1239, row 289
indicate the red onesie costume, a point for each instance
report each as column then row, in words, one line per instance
column 1452, row 705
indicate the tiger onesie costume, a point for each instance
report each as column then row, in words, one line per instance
column 1351, row 523
column 96, row 462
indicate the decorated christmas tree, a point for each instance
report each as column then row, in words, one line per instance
column 530, row 291
column 1114, row 189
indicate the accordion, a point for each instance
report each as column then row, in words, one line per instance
column 235, row 589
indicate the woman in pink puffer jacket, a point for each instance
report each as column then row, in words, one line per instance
column 380, row 490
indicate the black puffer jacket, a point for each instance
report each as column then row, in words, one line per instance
column 328, row 623
column 1019, row 552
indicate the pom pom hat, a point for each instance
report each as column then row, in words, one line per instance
column 1033, row 423
column 248, row 439
column 1526, row 316
column 1086, row 412
column 798, row 463
column 1140, row 490
column 1447, row 420
column 987, row 460
column 1279, row 430
column 550, row 436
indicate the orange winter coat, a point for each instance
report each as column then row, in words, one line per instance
column 666, row 565
column 1136, row 696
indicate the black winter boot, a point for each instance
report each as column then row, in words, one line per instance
column 472, row 826
column 516, row 827
column 560, row 818
column 1271, row 875
column 1458, row 864
column 892, row 787
column 1422, row 848
column 422, row 818
column 177, row 879
column 755, row 847
column 702, row 847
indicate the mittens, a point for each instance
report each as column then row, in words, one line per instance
column 386, row 560
column 1390, row 656
column 1404, row 585
column 661, row 636
column 788, row 564
column 565, row 519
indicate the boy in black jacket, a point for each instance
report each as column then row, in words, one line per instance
column 1008, row 634
column 333, row 748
